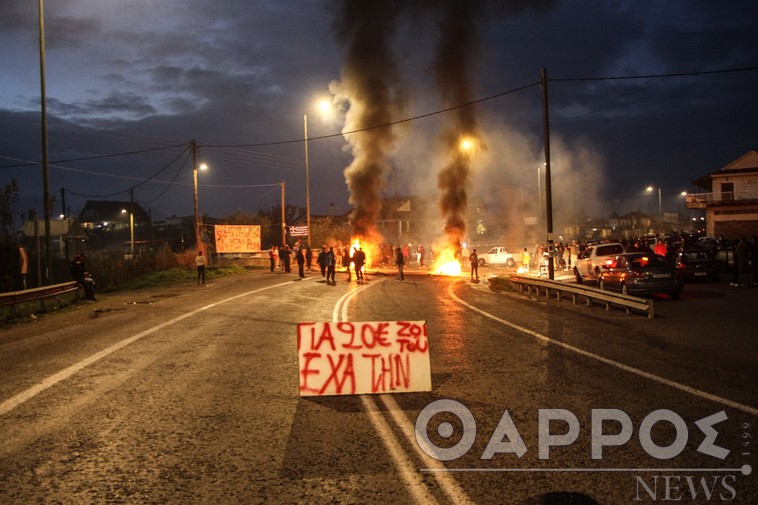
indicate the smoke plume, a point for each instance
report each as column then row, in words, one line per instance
column 456, row 47
column 371, row 85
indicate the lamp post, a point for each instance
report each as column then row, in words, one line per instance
column 131, row 230
column 660, row 207
column 324, row 106
column 284, row 224
column 307, row 181
column 198, row 238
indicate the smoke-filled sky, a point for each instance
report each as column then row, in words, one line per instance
column 238, row 76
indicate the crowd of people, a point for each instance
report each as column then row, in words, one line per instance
column 739, row 256
column 331, row 259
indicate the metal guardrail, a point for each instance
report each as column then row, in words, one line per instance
column 578, row 291
column 15, row 298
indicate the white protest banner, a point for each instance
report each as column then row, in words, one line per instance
column 353, row 358
column 237, row 238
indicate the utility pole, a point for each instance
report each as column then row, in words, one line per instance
column 307, row 181
column 45, row 163
column 548, row 185
column 198, row 238
column 131, row 221
column 284, row 225
column 64, row 212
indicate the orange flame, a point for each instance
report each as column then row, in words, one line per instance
column 446, row 263
column 367, row 248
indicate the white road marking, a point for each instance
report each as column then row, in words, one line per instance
column 408, row 471
column 607, row 361
column 13, row 402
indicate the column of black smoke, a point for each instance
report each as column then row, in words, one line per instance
column 370, row 84
column 456, row 50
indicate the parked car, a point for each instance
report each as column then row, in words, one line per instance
column 697, row 263
column 641, row 274
column 590, row 262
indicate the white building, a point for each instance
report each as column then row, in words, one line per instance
column 731, row 200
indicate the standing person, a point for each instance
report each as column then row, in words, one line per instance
column 308, row 257
column 742, row 263
column 287, row 258
column 399, row 261
column 322, row 261
column 331, row 264
column 200, row 264
column 272, row 257
column 525, row 260
column 573, row 253
column 421, row 254
column 300, row 258
column 660, row 248
column 474, row 260
column 346, row 259
column 359, row 258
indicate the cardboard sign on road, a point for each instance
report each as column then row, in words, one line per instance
column 363, row 357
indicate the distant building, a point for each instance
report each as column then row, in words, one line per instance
column 114, row 215
column 731, row 198
column 107, row 224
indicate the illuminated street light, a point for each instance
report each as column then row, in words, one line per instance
column 325, row 107
column 203, row 166
column 660, row 206
column 131, row 230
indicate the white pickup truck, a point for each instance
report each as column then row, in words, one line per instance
column 498, row 256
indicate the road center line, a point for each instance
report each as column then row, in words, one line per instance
column 13, row 402
column 407, row 470
column 616, row 364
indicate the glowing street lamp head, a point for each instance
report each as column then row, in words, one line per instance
column 203, row 166
column 324, row 106
column 649, row 188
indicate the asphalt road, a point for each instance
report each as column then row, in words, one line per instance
column 190, row 394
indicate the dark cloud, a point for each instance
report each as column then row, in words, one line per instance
column 129, row 75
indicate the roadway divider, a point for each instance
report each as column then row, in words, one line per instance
column 13, row 299
column 577, row 292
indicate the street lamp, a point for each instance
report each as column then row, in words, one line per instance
column 323, row 106
column 197, row 214
column 660, row 206
column 131, row 231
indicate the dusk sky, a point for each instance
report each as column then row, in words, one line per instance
column 238, row 75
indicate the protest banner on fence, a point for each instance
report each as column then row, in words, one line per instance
column 237, row 238
column 351, row 358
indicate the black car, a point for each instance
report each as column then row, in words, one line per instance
column 697, row 263
column 641, row 273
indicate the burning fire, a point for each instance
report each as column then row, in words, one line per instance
column 447, row 264
column 368, row 249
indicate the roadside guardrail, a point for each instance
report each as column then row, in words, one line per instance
column 579, row 292
column 43, row 294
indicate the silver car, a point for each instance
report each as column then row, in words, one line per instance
column 590, row 263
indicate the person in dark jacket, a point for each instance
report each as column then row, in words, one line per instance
column 300, row 258
column 322, row 261
column 399, row 261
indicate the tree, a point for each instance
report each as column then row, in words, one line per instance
column 9, row 267
column 8, row 200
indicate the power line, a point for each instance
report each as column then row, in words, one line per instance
column 655, row 76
